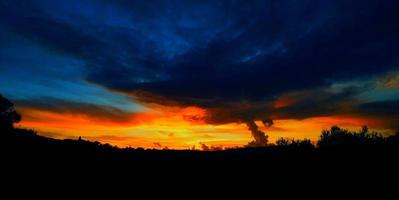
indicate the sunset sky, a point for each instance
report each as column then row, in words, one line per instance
column 183, row 74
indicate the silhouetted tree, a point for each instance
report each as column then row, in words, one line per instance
column 337, row 136
column 8, row 115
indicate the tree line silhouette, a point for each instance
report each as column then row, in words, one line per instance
column 341, row 164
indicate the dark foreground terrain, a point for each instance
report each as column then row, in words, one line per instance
column 342, row 167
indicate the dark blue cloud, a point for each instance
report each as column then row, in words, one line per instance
column 216, row 54
column 93, row 111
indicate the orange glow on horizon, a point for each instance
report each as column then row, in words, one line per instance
column 177, row 129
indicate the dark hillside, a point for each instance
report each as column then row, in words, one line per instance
column 36, row 166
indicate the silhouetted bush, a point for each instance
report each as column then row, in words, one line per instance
column 8, row 115
column 338, row 137
column 292, row 143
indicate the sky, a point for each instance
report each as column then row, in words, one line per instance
column 188, row 74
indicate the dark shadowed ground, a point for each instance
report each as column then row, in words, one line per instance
column 34, row 166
